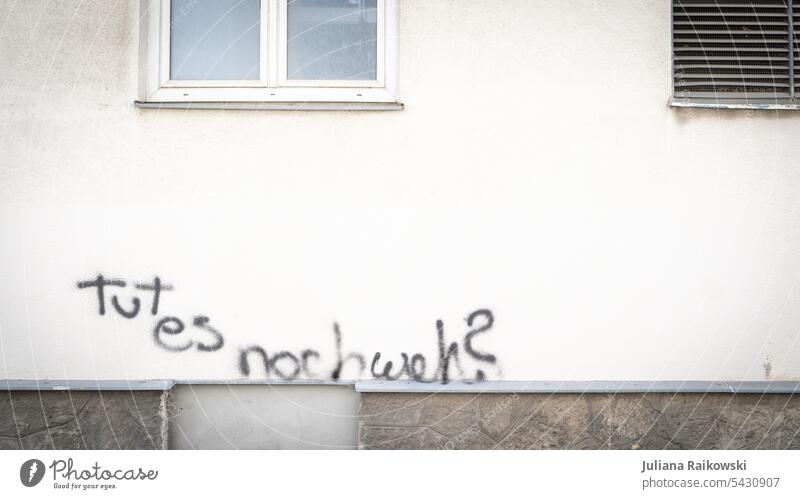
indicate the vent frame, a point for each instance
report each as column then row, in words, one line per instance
column 735, row 51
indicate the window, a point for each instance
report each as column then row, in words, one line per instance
column 729, row 51
column 268, row 51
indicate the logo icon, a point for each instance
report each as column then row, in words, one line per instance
column 31, row 472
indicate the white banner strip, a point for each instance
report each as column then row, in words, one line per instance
column 401, row 474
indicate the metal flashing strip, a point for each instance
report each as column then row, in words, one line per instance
column 85, row 384
column 282, row 382
column 582, row 387
column 376, row 386
column 275, row 106
column 758, row 106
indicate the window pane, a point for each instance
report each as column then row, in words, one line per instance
column 215, row 39
column 332, row 40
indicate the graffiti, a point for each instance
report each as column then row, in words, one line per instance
column 174, row 326
column 101, row 282
column 169, row 326
column 288, row 366
column 170, row 334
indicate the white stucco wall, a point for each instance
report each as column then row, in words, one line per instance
column 537, row 171
column 263, row 417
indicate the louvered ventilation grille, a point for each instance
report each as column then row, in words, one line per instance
column 736, row 49
column 796, row 46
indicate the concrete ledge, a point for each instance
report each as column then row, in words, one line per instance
column 580, row 387
column 85, row 384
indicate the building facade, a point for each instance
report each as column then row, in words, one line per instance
column 565, row 224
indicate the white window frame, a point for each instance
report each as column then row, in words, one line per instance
column 272, row 85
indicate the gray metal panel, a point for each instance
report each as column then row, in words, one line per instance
column 755, row 104
column 304, row 382
column 758, row 387
column 85, row 384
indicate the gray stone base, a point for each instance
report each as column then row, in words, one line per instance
column 578, row 421
column 90, row 419
column 83, row 420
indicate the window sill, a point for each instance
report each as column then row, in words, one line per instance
column 716, row 104
column 276, row 106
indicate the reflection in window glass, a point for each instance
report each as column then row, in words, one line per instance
column 214, row 39
column 332, row 40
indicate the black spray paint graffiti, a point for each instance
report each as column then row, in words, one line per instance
column 167, row 326
column 289, row 366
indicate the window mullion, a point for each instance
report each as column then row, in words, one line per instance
column 272, row 36
column 264, row 31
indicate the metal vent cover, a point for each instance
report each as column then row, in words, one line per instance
column 734, row 49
